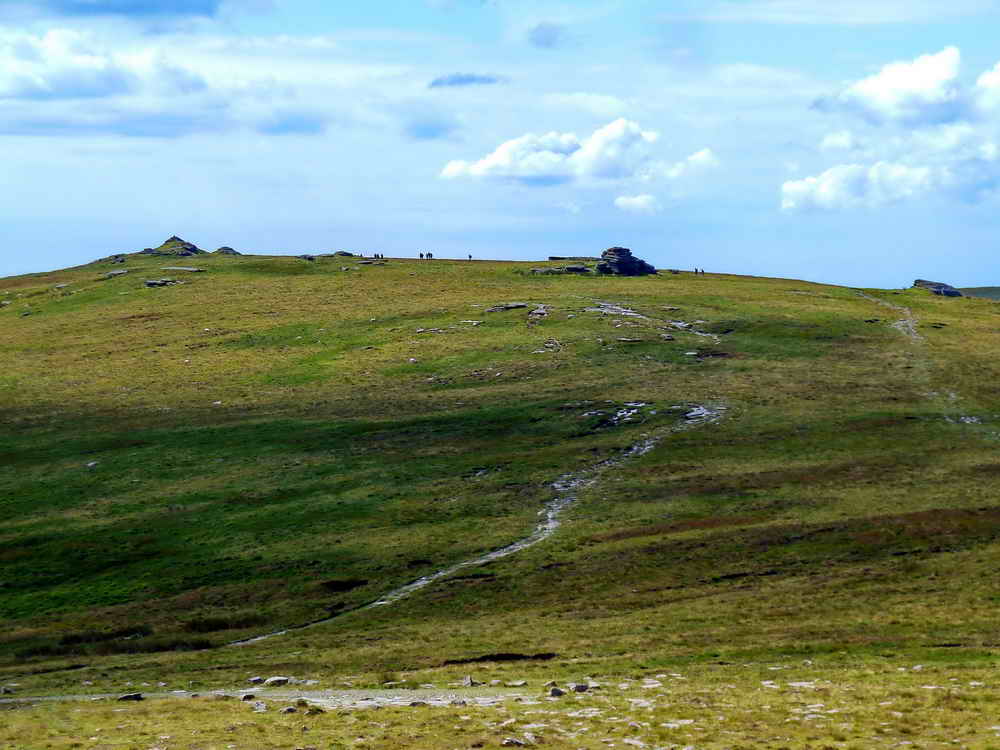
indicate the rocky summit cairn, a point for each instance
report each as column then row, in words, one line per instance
column 937, row 287
column 620, row 262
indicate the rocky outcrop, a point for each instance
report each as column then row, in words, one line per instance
column 174, row 246
column 226, row 250
column 937, row 287
column 619, row 261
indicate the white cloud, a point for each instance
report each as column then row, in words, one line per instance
column 67, row 64
column 856, row 185
column 638, row 204
column 616, row 151
column 700, row 161
column 920, row 92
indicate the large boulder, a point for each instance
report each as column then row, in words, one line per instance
column 937, row 287
column 619, row 261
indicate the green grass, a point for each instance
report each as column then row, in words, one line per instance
column 277, row 441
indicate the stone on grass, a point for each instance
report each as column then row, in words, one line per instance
column 131, row 697
column 289, row 710
column 113, row 274
column 579, row 687
column 517, row 683
column 276, row 681
column 259, row 707
column 506, row 306
column 255, row 680
column 556, row 692
column 247, row 697
column 512, row 742
column 467, row 681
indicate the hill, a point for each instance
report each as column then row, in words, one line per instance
column 987, row 292
column 274, row 441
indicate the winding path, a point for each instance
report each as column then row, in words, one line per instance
column 567, row 488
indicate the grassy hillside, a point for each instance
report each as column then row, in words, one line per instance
column 274, row 440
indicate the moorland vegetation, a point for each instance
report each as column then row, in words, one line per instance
column 275, row 441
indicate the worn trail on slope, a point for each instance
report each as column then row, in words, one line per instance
column 567, row 488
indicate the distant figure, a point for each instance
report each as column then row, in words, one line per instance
column 430, row 256
column 470, row 256
column 421, row 256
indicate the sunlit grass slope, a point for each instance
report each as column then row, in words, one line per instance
column 275, row 440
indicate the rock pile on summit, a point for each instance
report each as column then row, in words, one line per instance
column 175, row 246
column 620, row 262
column 937, row 287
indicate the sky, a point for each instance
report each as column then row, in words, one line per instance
column 855, row 142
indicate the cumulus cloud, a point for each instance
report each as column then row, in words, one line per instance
column 700, row 161
column 856, row 185
column 943, row 142
column 464, row 79
column 919, row 92
column 617, row 151
column 638, row 204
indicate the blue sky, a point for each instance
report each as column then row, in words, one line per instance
column 855, row 142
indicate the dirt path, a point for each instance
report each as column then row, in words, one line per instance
column 907, row 325
column 567, row 488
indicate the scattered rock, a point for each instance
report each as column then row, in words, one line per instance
column 160, row 282
column 507, row 306
column 188, row 269
column 276, row 681
column 937, row 287
column 259, row 707
column 60, row 286
column 314, row 711
column 576, row 269
column 4, row 690
column 556, row 692
column 92, row 464
column 579, row 687
column 551, row 683
column 467, row 681
column 547, row 271
column 256, row 680
column 458, row 702
column 517, row 683
column 619, row 261
column 415, row 704
column 666, row 337
column 131, row 697
column 307, row 257
column 114, row 274
column 247, row 697
column 289, row 710
column 512, row 742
